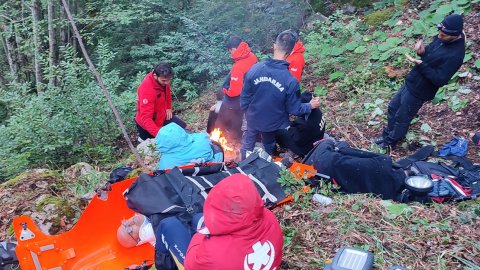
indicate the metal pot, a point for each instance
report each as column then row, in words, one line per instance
column 419, row 184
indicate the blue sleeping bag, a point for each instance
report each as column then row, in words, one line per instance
column 177, row 148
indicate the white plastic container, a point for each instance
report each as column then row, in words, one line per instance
column 321, row 199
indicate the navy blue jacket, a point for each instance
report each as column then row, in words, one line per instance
column 357, row 171
column 270, row 94
column 440, row 62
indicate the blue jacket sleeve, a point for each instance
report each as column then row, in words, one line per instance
column 294, row 104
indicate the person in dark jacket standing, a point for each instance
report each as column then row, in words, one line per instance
column 270, row 94
column 437, row 64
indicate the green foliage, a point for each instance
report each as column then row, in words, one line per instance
column 66, row 124
column 71, row 121
column 336, row 75
column 3, row 112
column 350, row 56
column 477, row 64
column 320, row 90
column 195, row 45
column 396, row 209
column 288, row 182
column 288, row 235
column 425, row 128
column 88, row 183
column 318, row 6
column 389, row 3
column 379, row 17
column 456, row 103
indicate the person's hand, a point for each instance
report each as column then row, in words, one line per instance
column 169, row 114
column 419, row 47
column 413, row 60
column 213, row 107
column 315, row 103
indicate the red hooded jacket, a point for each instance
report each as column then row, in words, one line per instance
column 242, row 233
column 244, row 59
column 153, row 100
column 296, row 60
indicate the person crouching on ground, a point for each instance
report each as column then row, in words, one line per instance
column 154, row 102
column 270, row 94
column 303, row 133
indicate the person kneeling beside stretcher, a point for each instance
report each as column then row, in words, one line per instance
column 235, row 231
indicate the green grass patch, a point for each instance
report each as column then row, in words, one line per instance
column 379, row 17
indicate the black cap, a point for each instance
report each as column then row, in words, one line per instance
column 452, row 25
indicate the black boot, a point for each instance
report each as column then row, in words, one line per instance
column 377, row 140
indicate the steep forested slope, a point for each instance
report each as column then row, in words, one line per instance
column 355, row 63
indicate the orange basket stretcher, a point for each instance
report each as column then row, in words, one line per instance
column 90, row 244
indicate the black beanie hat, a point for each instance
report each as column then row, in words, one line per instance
column 452, row 25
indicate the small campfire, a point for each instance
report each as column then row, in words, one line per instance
column 217, row 136
column 231, row 149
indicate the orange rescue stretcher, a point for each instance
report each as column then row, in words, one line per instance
column 92, row 242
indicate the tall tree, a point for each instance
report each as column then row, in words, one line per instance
column 10, row 52
column 64, row 26
column 52, row 42
column 37, row 44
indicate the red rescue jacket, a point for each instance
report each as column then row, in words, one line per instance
column 244, row 59
column 243, row 234
column 153, row 100
column 296, row 60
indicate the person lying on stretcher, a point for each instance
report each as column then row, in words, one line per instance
column 234, row 232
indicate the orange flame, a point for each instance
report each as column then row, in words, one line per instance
column 217, row 136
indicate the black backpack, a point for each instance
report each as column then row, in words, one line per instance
column 181, row 193
column 8, row 258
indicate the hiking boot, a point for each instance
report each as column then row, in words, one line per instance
column 386, row 146
column 377, row 140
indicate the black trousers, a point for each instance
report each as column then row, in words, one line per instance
column 229, row 119
column 143, row 134
column 401, row 110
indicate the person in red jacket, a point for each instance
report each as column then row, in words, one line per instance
column 154, row 102
column 239, row 232
column 229, row 118
column 295, row 59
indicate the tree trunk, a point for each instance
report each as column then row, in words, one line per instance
column 10, row 52
column 103, row 87
column 5, row 50
column 52, row 43
column 71, row 35
column 37, row 45
column 65, row 27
